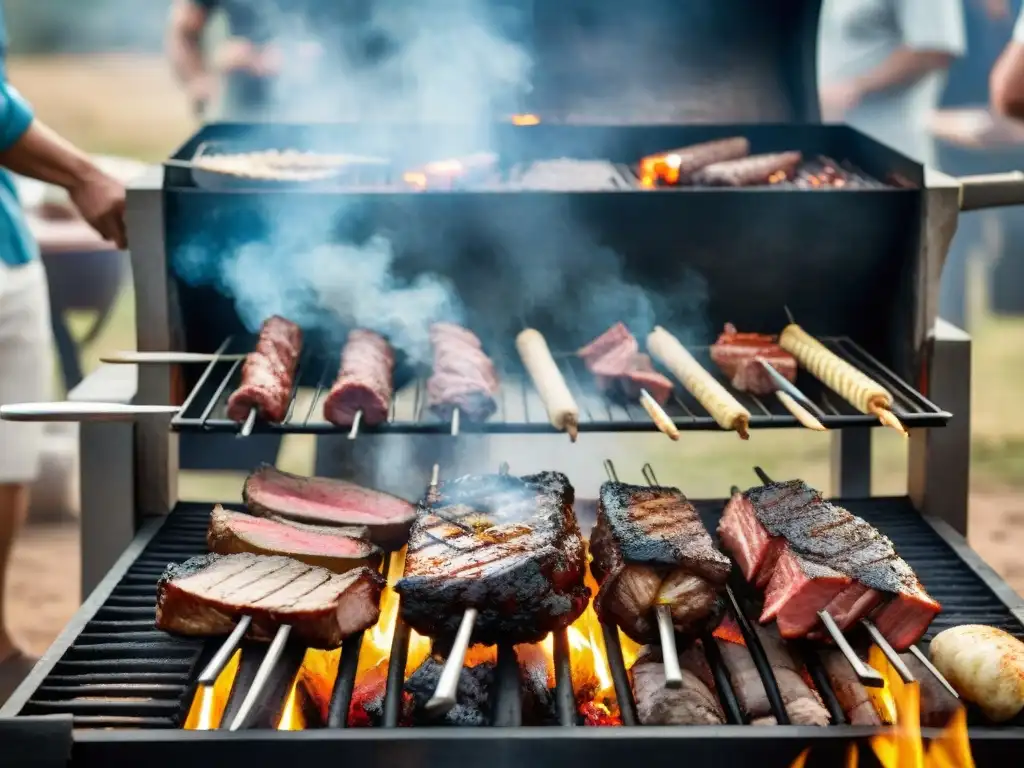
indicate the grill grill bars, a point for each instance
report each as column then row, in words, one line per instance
column 520, row 409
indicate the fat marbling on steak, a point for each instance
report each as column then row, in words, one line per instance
column 508, row 546
column 325, row 501
column 650, row 548
column 334, row 548
column 207, row 595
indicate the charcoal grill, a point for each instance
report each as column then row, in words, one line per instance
column 857, row 266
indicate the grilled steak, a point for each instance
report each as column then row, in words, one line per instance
column 802, row 703
column 364, row 382
column 336, row 549
column 463, row 378
column 736, row 354
column 852, row 696
column 507, row 546
column 677, row 166
column 324, row 501
column 692, row 704
column 749, row 171
column 650, row 548
column 268, row 372
column 207, row 595
column 621, row 369
column 815, row 556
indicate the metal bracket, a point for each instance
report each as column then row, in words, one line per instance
column 42, row 741
column 851, row 463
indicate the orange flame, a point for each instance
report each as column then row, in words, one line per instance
column 663, row 168
column 210, row 700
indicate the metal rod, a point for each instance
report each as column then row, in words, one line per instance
column 801, row 414
column 565, row 696
column 396, row 674
column 888, row 651
column 760, row 658
column 223, row 655
column 669, row 652
column 82, row 411
column 658, row 416
column 508, row 707
column 609, row 469
column 250, row 422
column 262, row 677
column 723, row 683
column 344, row 682
column 620, row 676
column 446, row 694
column 789, row 315
column 919, row 655
column 649, row 476
column 819, row 675
column 248, row 665
column 131, row 357
column 455, row 423
column 354, row 432
column 763, row 476
column 867, row 675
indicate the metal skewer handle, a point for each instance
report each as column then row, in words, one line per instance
column 80, row 411
column 446, row 693
column 128, row 357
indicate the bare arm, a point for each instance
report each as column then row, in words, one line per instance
column 1006, row 83
column 184, row 46
column 905, row 66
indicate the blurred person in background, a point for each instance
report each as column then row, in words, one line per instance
column 30, row 148
column 1006, row 85
column 882, row 66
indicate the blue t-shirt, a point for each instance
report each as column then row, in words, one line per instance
column 17, row 246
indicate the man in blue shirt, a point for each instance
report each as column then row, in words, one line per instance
column 31, row 149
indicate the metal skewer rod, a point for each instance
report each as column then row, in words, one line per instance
column 789, row 395
column 455, row 423
column 227, row 649
column 354, row 432
column 888, row 651
column 868, row 677
column 658, row 416
column 63, row 410
column 250, row 423
column 446, row 693
column 130, row 357
column 805, row 417
column 789, row 315
column 262, row 676
column 919, row 655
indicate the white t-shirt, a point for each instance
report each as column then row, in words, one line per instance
column 1018, row 28
column 856, row 36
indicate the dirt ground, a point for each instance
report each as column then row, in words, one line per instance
column 45, row 580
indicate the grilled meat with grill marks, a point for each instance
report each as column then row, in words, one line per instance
column 621, row 369
column 324, row 501
column 749, row 171
column 508, row 546
column 815, row 556
column 364, row 382
column 207, row 595
column 692, row 704
column 650, row 548
column 268, row 372
column 463, row 377
column 336, row 549
column 736, row 354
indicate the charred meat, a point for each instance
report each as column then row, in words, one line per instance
column 737, row 355
column 650, row 548
column 464, row 377
column 268, row 372
column 677, row 166
column 508, row 546
column 270, row 492
column 336, row 549
column 811, row 556
column 694, row 703
column 621, row 369
column 364, row 383
column 852, row 696
column 207, row 595
column 749, row 171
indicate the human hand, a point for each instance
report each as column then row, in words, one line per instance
column 837, row 99
column 237, row 54
column 100, row 199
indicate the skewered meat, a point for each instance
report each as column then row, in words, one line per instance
column 985, row 665
column 802, row 703
column 507, row 546
column 749, row 171
column 736, row 354
column 364, row 382
column 336, row 549
column 850, row 693
column 815, row 556
column 563, row 412
column 324, row 501
column 677, row 166
column 650, row 548
column 207, row 595
column 694, row 703
column 725, row 409
column 268, row 372
column 464, row 377
column 622, row 371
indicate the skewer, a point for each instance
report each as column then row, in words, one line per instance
column 791, row 397
column 250, row 422
column 789, row 315
column 658, row 416
column 888, row 651
column 455, row 423
column 227, row 649
column 888, row 418
column 666, row 632
column 868, row 677
column 262, row 676
column 805, row 417
column 919, row 655
column 446, row 693
column 354, row 432
column 130, row 357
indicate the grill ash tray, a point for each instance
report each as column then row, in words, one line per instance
column 521, row 411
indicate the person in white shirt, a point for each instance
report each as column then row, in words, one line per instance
column 1006, row 85
column 882, row 65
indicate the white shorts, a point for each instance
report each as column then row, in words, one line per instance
column 26, row 365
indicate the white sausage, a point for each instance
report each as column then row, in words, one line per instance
column 985, row 665
column 554, row 392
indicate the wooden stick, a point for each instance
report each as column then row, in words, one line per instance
column 802, row 415
column 164, row 358
column 572, row 428
column 888, row 418
column 658, row 416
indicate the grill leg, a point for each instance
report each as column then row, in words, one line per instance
column 940, row 459
column 851, row 463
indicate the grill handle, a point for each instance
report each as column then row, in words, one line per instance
column 991, row 190
column 74, row 411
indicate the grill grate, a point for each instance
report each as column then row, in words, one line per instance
column 520, row 409
column 120, row 673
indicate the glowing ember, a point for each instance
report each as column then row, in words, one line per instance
column 660, row 169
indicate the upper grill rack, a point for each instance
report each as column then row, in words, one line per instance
column 147, row 677
column 520, row 409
